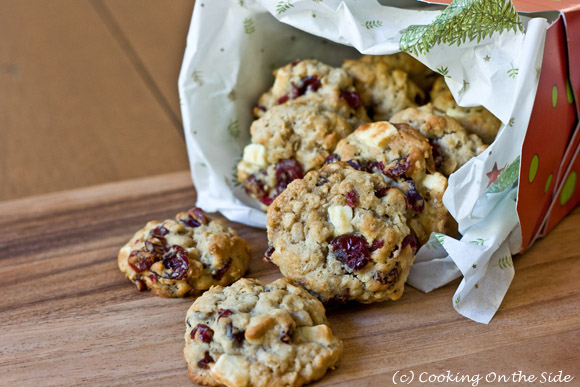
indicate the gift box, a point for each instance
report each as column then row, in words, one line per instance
column 503, row 200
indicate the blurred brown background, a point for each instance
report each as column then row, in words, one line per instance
column 88, row 92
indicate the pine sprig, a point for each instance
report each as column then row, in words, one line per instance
column 373, row 24
column 234, row 175
column 197, row 77
column 249, row 27
column 507, row 178
column 234, row 129
column 283, row 6
column 443, row 70
column 478, row 241
column 462, row 21
column 513, row 72
column 505, row 262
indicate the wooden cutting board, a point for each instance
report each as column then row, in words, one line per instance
column 69, row 317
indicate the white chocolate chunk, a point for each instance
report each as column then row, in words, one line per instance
column 435, row 182
column 340, row 217
column 377, row 134
column 255, row 154
column 317, row 334
column 231, row 370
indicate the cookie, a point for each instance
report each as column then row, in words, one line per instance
column 319, row 84
column 250, row 334
column 422, row 75
column 452, row 145
column 342, row 234
column 288, row 141
column 185, row 256
column 383, row 89
column 476, row 119
column 402, row 156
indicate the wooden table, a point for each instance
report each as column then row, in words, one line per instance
column 88, row 96
column 68, row 316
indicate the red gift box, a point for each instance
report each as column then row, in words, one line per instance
column 550, row 164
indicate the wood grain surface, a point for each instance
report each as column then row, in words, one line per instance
column 69, row 317
column 88, row 92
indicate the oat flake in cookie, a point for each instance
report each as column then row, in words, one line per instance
column 452, row 145
column 402, row 156
column 313, row 82
column 343, row 235
column 288, row 141
column 185, row 256
column 248, row 334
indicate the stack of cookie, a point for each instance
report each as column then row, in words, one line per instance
column 351, row 165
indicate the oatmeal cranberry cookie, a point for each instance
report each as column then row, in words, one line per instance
column 251, row 334
column 185, row 256
column 422, row 75
column 475, row 119
column 452, row 145
column 288, row 141
column 342, row 234
column 403, row 157
column 383, row 89
column 319, row 84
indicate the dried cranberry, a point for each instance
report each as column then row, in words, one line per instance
column 266, row 200
column 156, row 245
column 295, row 62
column 351, row 198
column 176, row 262
column 410, row 240
column 159, row 231
column 234, row 334
column 283, row 99
column 351, row 97
column 351, row 250
column 399, row 169
column 224, row 313
column 377, row 244
column 141, row 285
column 286, row 336
column 414, row 198
column 268, row 253
column 153, row 278
column 205, row 333
column 382, row 192
column 203, row 363
column 219, row 273
column 198, row 214
column 255, row 187
column 262, row 108
column 286, row 171
column 308, row 83
column 332, row 158
column 140, row 260
column 438, row 157
column 354, row 164
column 379, row 166
column 387, row 278
column 337, row 300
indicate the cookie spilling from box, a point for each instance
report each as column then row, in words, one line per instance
column 185, row 256
column 313, row 82
column 288, row 141
column 343, row 235
column 259, row 335
column 403, row 157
